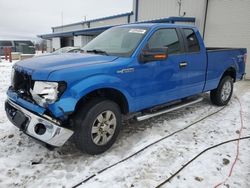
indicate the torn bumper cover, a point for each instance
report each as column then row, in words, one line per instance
column 41, row 128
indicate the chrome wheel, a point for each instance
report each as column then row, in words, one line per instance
column 103, row 128
column 226, row 90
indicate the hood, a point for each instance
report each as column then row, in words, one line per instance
column 40, row 67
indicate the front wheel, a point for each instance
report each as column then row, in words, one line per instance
column 223, row 93
column 97, row 126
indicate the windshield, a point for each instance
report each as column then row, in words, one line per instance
column 118, row 41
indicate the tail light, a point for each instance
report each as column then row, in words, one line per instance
column 245, row 58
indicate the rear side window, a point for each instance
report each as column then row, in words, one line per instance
column 5, row 43
column 192, row 41
column 165, row 38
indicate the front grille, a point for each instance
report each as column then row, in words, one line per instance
column 21, row 84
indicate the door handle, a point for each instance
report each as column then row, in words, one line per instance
column 183, row 64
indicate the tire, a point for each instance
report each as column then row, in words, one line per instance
column 223, row 93
column 97, row 124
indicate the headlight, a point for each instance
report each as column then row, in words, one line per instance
column 47, row 92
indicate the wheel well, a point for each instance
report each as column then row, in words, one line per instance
column 108, row 93
column 230, row 72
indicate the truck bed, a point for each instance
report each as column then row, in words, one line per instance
column 219, row 59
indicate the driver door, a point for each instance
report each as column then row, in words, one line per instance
column 168, row 79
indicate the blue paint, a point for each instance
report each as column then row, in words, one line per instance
column 222, row 60
column 46, row 65
column 32, row 107
column 149, row 85
column 171, row 20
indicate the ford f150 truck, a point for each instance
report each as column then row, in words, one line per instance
column 136, row 70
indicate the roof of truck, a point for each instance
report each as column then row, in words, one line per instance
column 152, row 25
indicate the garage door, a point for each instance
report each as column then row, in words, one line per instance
column 228, row 25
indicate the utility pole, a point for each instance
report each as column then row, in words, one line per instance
column 62, row 19
column 179, row 2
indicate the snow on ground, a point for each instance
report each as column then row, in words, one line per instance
column 24, row 163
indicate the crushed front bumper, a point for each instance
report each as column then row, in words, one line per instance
column 42, row 128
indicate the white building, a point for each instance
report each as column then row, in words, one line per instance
column 222, row 23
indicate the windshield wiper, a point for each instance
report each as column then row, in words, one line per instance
column 96, row 51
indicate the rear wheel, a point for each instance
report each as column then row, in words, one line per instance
column 98, row 124
column 223, row 93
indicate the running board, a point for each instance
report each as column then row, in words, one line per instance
column 176, row 107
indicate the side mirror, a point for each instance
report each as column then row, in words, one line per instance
column 154, row 54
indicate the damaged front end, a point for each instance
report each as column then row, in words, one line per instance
column 26, row 108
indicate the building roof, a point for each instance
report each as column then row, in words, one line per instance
column 98, row 30
column 96, row 20
column 86, row 32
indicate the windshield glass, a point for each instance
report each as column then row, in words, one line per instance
column 118, row 41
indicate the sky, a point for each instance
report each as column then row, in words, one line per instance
column 25, row 19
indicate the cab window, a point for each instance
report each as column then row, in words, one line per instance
column 165, row 38
column 192, row 41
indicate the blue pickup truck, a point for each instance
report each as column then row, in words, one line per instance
column 137, row 70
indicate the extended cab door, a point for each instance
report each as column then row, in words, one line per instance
column 196, row 62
